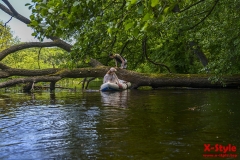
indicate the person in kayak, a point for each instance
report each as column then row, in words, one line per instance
column 119, row 59
column 111, row 76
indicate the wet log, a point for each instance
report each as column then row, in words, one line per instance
column 98, row 70
column 137, row 79
column 177, row 80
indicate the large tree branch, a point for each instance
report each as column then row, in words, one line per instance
column 22, row 46
column 10, row 7
column 49, row 75
column 8, row 71
column 26, row 72
column 29, row 79
column 13, row 12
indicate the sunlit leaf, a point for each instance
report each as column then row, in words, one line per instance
column 166, row 10
column 144, row 27
column 154, row 3
column 133, row 1
column 128, row 25
column 147, row 17
column 34, row 23
column 34, row 34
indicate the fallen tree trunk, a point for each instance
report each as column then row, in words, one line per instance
column 177, row 80
column 137, row 79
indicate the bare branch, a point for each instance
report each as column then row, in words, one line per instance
column 7, row 22
column 39, row 52
column 205, row 16
column 145, row 53
column 30, row 79
column 125, row 45
column 26, row 72
column 192, row 5
column 78, row 73
column 10, row 7
column 88, row 81
column 15, row 14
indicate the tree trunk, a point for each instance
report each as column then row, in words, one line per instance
column 137, row 79
column 27, row 87
column 198, row 52
column 52, row 86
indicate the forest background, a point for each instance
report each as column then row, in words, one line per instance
column 172, row 36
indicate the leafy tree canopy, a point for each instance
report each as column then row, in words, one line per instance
column 6, row 37
column 167, row 28
column 32, row 58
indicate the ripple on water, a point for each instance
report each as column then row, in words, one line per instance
column 135, row 125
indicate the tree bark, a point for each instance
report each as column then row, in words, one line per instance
column 137, row 79
column 27, row 87
column 52, row 86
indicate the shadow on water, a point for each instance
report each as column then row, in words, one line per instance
column 158, row 124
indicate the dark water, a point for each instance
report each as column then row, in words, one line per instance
column 161, row 124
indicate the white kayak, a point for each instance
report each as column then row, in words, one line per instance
column 115, row 87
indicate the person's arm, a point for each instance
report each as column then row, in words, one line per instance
column 117, row 80
column 106, row 77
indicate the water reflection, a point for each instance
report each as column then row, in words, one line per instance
column 31, row 130
column 163, row 124
column 116, row 99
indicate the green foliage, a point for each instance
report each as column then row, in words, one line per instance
column 100, row 27
column 33, row 58
column 6, row 37
column 36, row 58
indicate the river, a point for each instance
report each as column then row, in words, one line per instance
column 168, row 124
